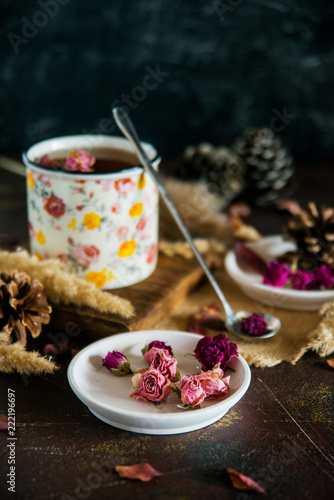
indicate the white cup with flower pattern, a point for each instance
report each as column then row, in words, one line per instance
column 104, row 222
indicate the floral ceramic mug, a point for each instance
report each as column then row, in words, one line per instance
column 105, row 223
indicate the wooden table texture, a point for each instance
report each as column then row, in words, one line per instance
column 280, row 433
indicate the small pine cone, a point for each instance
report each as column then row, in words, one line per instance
column 218, row 166
column 313, row 233
column 23, row 305
column 195, row 161
column 269, row 168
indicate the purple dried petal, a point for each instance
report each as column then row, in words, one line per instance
column 303, row 280
column 276, row 274
column 160, row 345
column 215, row 351
column 253, row 325
column 323, row 277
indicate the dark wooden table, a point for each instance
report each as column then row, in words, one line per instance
column 280, row 433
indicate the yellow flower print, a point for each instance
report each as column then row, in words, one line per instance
column 141, row 182
column 136, row 210
column 30, row 180
column 38, row 255
column 40, row 238
column 72, row 224
column 127, row 248
column 99, row 278
column 92, row 220
column 111, row 277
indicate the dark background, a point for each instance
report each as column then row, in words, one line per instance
column 230, row 64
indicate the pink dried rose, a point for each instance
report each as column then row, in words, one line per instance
column 117, row 363
column 276, row 274
column 323, row 277
column 302, row 280
column 215, row 351
column 254, row 324
column 54, row 206
column 192, row 391
column 151, row 385
column 86, row 254
column 161, row 360
column 46, row 161
column 213, row 383
column 79, row 161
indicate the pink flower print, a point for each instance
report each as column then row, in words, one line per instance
column 151, row 253
column 44, row 179
column 63, row 257
column 147, row 200
column 32, row 233
column 54, row 206
column 116, row 263
column 124, row 186
column 86, row 254
column 116, row 209
column 122, row 232
column 79, row 161
column 143, row 227
column 106, row 185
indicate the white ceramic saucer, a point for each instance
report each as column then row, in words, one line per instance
column 107, row 396
column 251, row 283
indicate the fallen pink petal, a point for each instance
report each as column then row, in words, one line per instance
column 330, row 362
column 248, row 260
column 194, row 325
column 242, row 482
column 211, row 317
column 3, row 422
column 143, row 471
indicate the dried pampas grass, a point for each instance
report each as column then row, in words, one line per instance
column 62, row 286
column 199, row 209
column 14, row 358
column 323, row 336
column 182, row 248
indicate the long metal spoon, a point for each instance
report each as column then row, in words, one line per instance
column 273, row 324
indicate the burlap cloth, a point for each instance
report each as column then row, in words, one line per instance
column 300, row 330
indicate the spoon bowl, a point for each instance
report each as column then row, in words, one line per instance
column 274, row 325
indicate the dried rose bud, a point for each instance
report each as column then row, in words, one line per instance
column 79, row 161
column 253, row 325
column 117, row 363
column 276, row 274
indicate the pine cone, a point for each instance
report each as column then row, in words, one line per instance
column 313, row 233
column 23, row 305
column 268, row 166
column 195, row 161
column 219, row 166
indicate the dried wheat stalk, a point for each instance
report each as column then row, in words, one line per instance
column 14, row 358
column 62, row 286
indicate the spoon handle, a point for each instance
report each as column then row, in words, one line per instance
column 128, row 129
